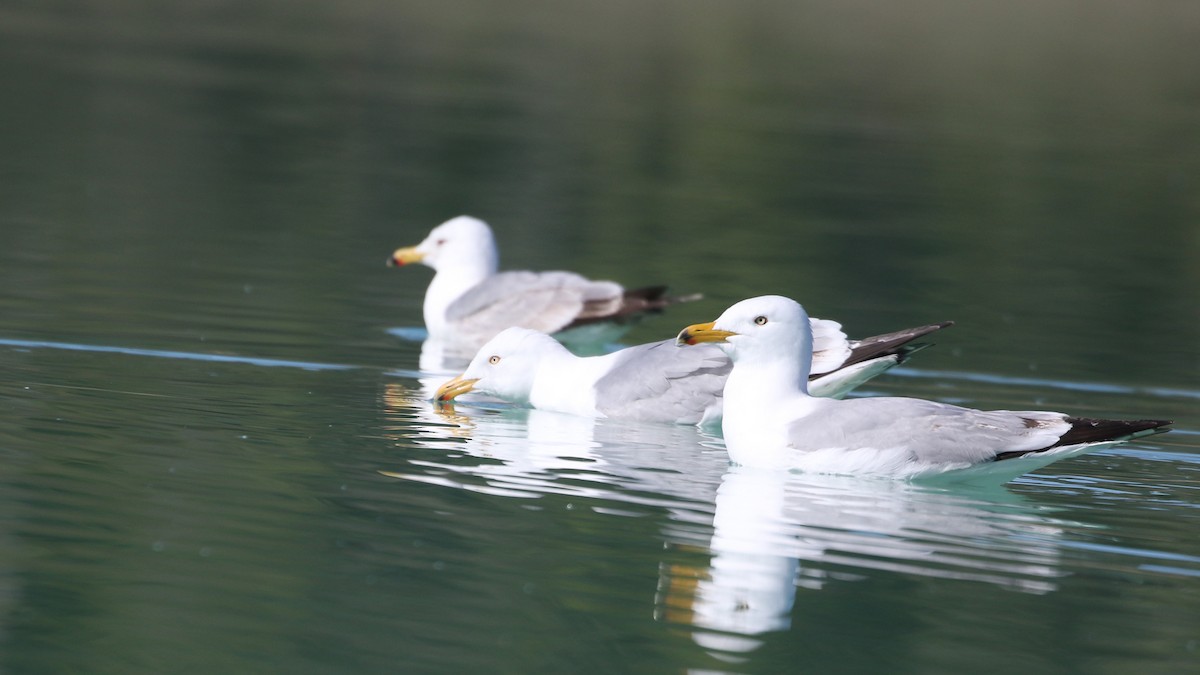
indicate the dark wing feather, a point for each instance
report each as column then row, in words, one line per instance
column 898, row 343
column 1091, row 430
column 635, row 302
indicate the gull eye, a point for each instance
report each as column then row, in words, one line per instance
column 493, row 359
column 440, row 242
column 760, row 320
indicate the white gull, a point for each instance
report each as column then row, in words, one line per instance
column 771, row 418
column 469, row 301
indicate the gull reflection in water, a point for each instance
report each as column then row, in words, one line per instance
column 742, row 543
column 438, row 356
column 748, row 587
column 528, row 453
column 441, row 357
column 776, row 534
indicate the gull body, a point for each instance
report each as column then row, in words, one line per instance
column 656, row 381
column 771, row 418
column 469, row 300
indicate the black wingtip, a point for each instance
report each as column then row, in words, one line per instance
column 635, row 302
column 655, row 297
column 1091, row 430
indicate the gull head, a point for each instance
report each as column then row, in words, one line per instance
column 462, row 242
column 762, row 329
column 505, row 367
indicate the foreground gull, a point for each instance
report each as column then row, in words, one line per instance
column 657, row 382
column 468, row 301
column 771, row 419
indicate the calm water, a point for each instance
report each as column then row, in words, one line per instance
column 218, row 456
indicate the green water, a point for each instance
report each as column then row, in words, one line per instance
column 216, row 454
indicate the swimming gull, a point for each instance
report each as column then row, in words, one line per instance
column 469, row 301
column 657, row 381
column 772, row 420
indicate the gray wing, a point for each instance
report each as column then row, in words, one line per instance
column 931, row 432
column 661, row 382
column 543, row 301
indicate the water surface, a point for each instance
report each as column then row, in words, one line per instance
column 217, row 446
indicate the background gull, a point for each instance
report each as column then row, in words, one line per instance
column 656, row 381
column 468, row 301
column 772, row 419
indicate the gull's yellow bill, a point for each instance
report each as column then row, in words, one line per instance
column 455, row 388
column 702, row 332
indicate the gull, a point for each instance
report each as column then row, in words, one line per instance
column 469, row 301
column 657, row 382
column 771, row 418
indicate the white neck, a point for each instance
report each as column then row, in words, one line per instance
column 448, row 286
column 564, row 382
column 754, row 398
column 757, row 394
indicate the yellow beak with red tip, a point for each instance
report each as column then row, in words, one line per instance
column 405, row 256
column 702, row 332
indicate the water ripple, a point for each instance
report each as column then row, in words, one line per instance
column 171, row 354
column 1008, row 380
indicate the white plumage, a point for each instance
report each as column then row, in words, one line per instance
column 469, row 301
column 655, row 382
column 771, row 418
